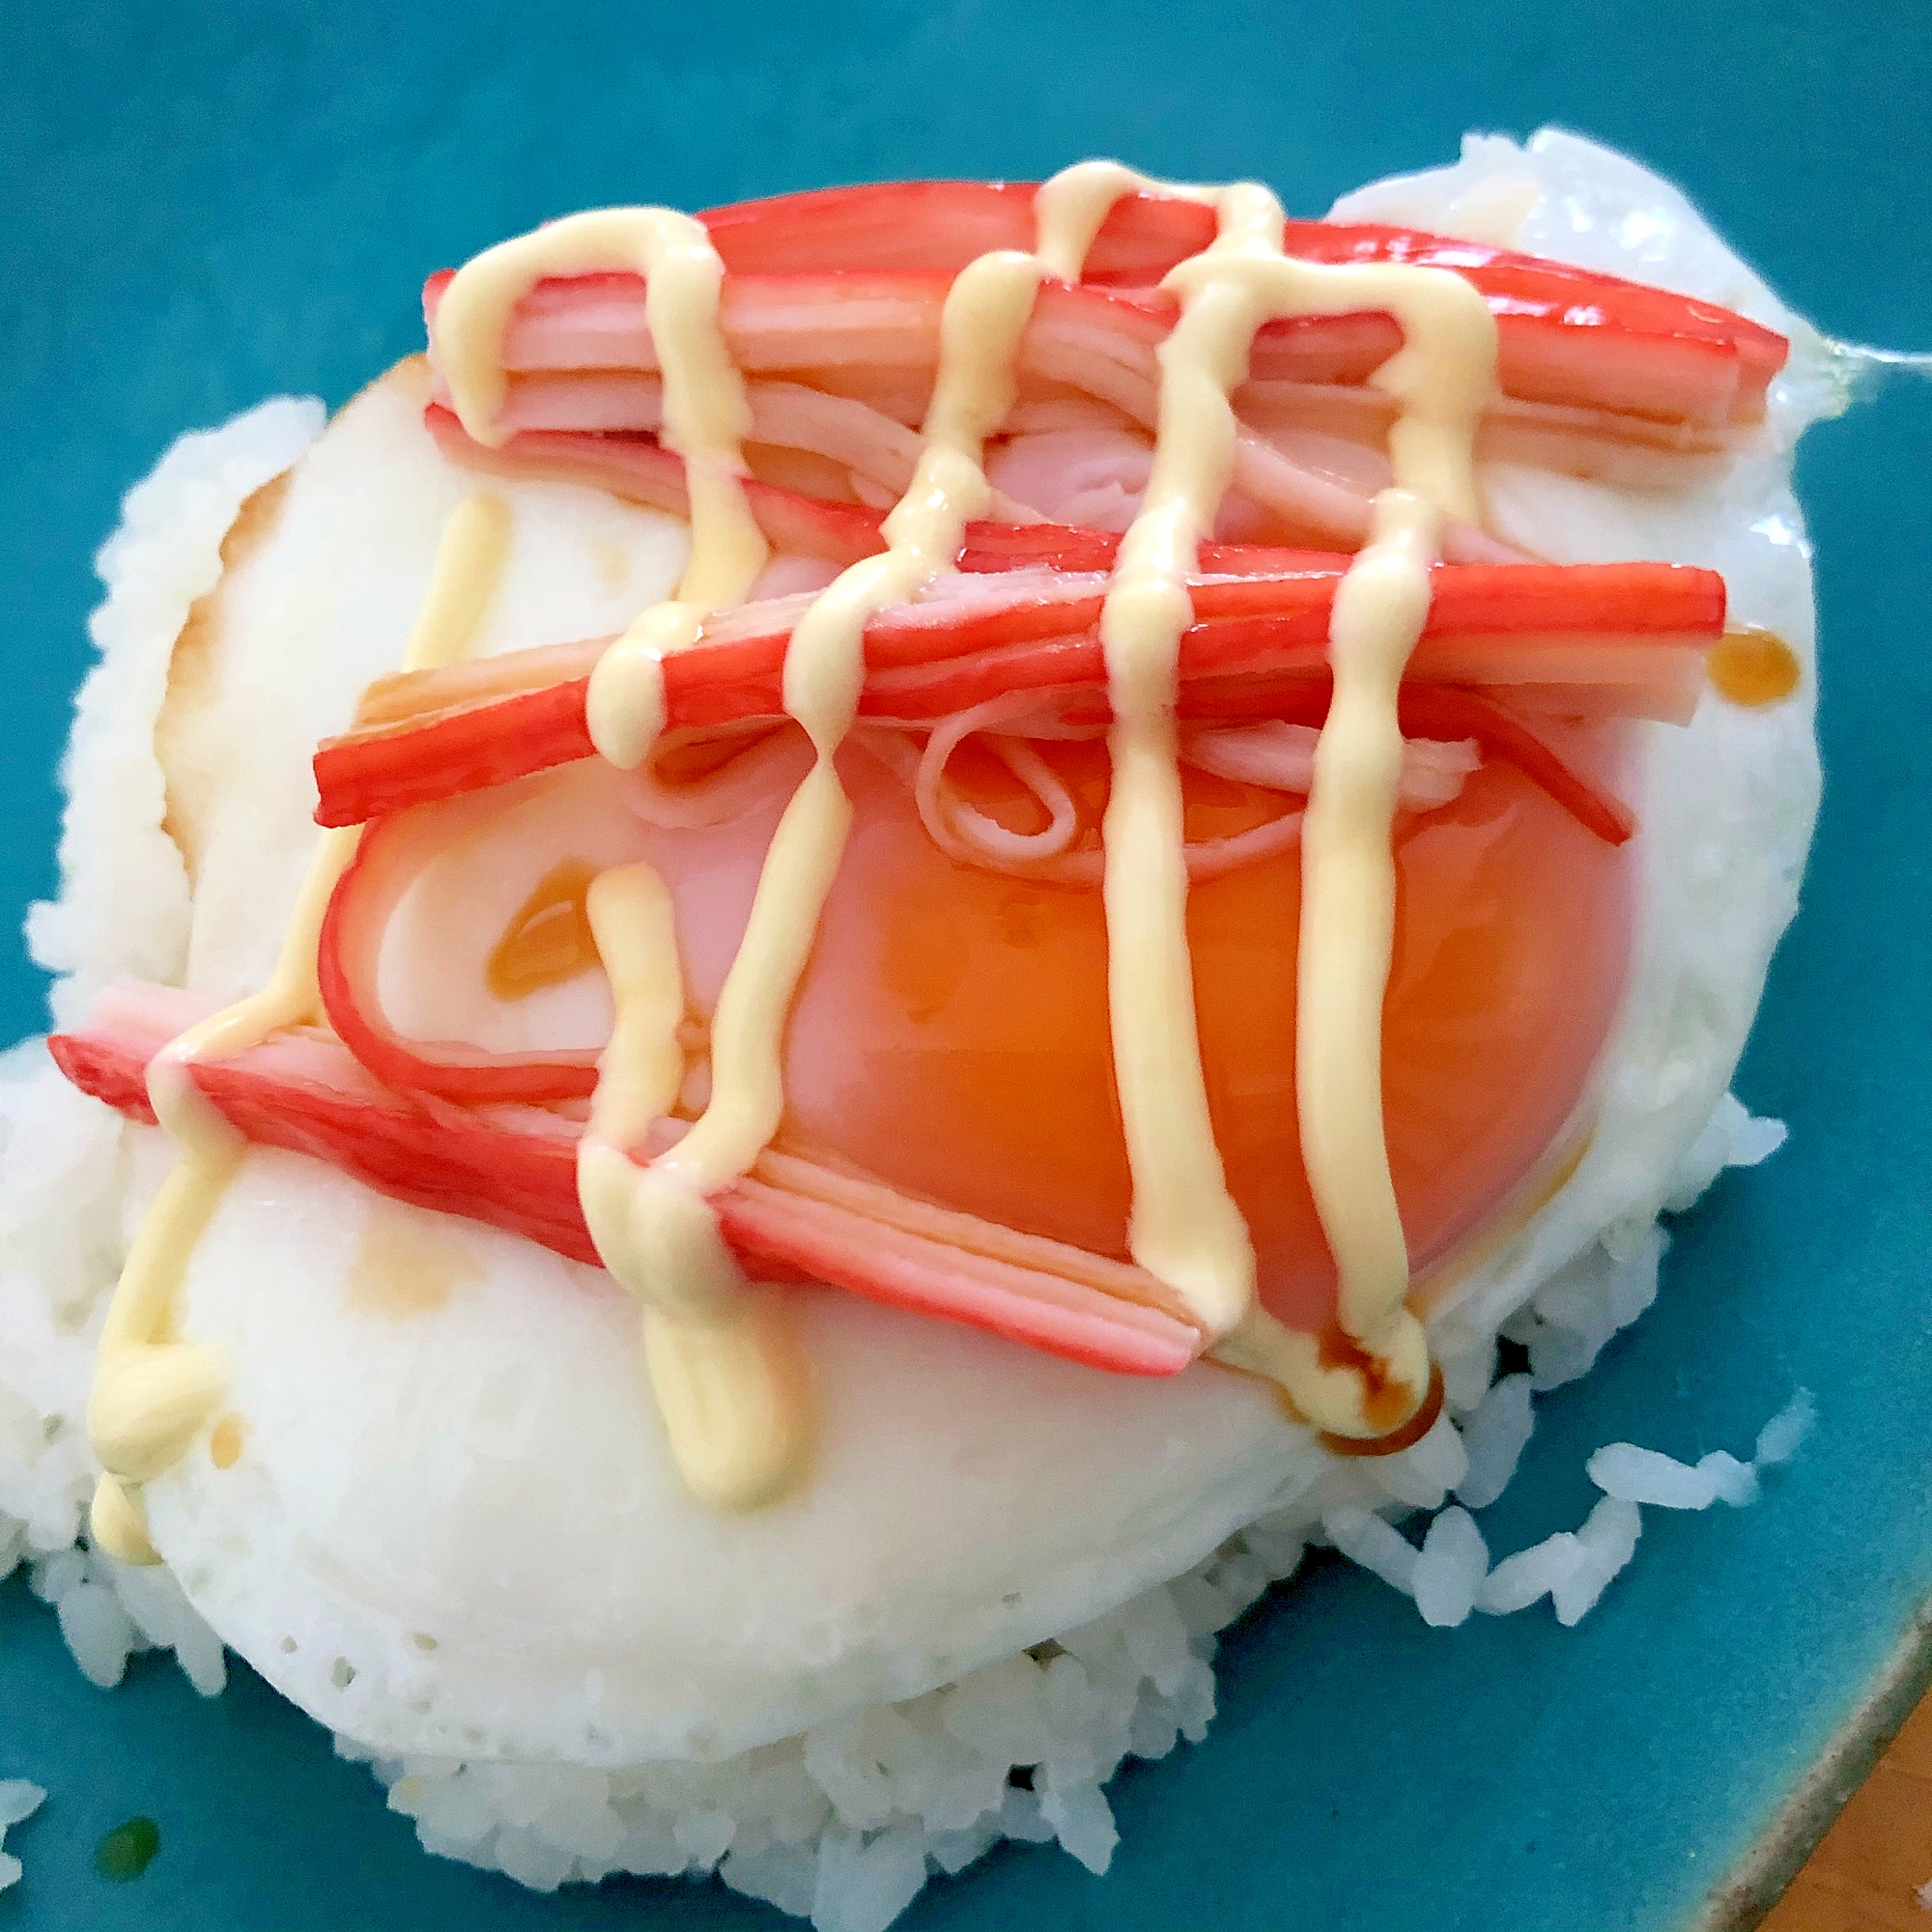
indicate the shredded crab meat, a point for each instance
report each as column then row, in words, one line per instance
column 961, row 829
column 1280, row 755
column 1272, row 755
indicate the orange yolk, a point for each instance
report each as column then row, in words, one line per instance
column 951, row 1036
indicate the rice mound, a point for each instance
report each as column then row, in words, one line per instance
column 845, row 1822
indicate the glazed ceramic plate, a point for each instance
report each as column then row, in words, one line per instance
column 202, row 207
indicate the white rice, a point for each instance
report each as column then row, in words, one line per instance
column 845, row 1822
column 1375, row 1543
column 1648, row 1476
column 18, row 1801
column 1450, row 1569
column 1494, row 1435
column 1781, row 1437
column 1450, row 1575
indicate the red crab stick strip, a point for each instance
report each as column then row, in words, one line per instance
column 1502, row 624
column 639, row 469
column 942, row 225
column 1565, row 334
column 1634, row 630
column 1102, row 342
column 515, row 1169
column 1246, row 669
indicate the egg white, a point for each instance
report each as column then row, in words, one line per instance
column 454, row 1526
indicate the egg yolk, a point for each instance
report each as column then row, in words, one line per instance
column 952, row 1039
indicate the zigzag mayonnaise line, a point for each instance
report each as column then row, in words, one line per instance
column 150, row 1395
column 722, row 1371
column 649, row 1223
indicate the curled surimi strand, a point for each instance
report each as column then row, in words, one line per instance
column 1272, row 755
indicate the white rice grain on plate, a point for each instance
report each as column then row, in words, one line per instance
column 18, row 1801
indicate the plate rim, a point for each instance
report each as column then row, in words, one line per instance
column 1762, row 1872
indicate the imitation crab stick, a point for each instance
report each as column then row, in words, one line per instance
column 515, row 1169
column 1619, row 640
column 794, row 522
column 834, row 418
column 1567, row 335
column 491, row 847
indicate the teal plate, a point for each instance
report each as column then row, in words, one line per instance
column 205, row 204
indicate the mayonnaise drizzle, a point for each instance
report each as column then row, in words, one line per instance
column 985, row 314
column 725, row 1383
column 1440, row 378
column 719, row 1355
column 1347, row 919
column 152, row 1394
column 725, row 1374
column 708, row 417
column 1185, row 1227
column 652, row 1223
column 718, row 1359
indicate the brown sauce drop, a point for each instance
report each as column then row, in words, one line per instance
column 407, row 1264
column 224, row 1445
column 547, row 939
column 1383, row 1400
column 1753, row 667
